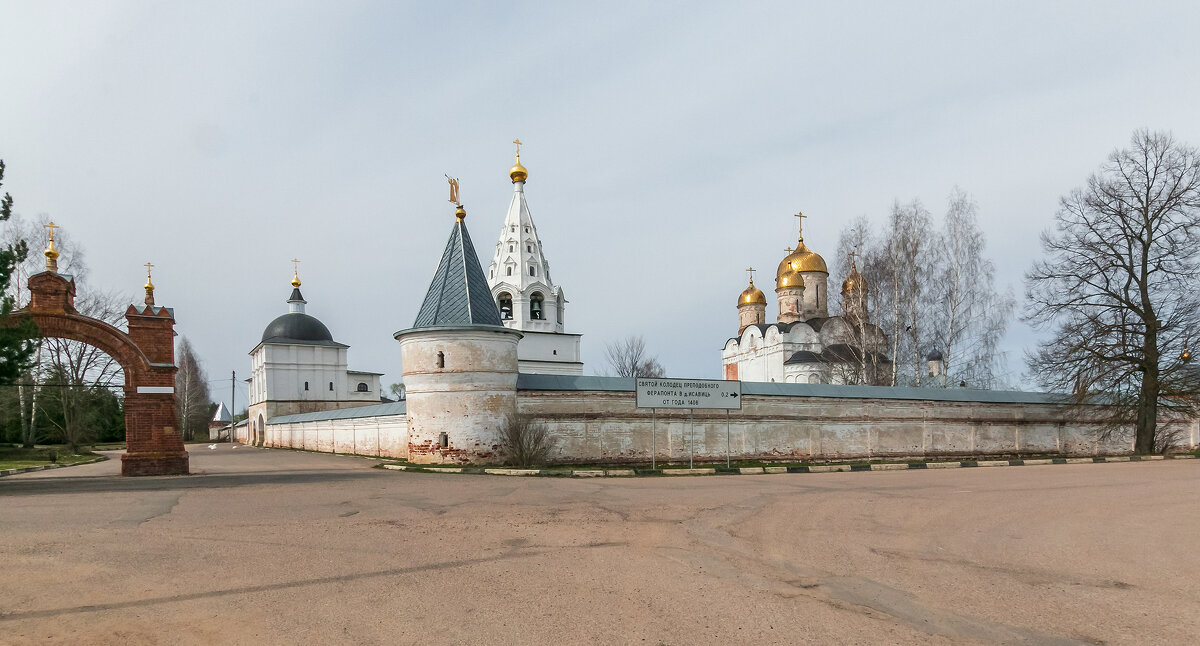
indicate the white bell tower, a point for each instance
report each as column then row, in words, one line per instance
column 528, row 299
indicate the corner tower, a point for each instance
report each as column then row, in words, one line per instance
column 525, row 295
column 459, row 362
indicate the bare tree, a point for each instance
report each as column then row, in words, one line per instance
column 971, row 316
column 192, row 400
column 906, row 258
column 1117, row 289
column 627, row 357
column 859, row 267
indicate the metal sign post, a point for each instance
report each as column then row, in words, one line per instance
column 691, row 394
column 653, row 423
column 727, row 451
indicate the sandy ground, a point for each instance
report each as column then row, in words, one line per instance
column 266, row 547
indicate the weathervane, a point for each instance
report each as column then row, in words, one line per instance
column 460, row 213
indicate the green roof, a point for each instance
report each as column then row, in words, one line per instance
column 458, row 294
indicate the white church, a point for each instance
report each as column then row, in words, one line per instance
column 806, row 344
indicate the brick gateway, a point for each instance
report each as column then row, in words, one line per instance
column 153, row 443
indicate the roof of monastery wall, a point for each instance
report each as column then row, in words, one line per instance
column 377, row 410
column 776, row 389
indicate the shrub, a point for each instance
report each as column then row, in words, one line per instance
column 524, row 441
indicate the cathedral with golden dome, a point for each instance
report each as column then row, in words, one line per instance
column 806, row 344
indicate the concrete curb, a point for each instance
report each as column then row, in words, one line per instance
column 44, row 467
column 816, row 468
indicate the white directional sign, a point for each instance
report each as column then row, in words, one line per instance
column 689, row 393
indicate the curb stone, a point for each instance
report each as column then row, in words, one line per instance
column 816, row 468
column 44, row 467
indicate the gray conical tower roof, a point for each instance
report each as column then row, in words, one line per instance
column 459, row 293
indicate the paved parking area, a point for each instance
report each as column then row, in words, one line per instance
column 267, row 546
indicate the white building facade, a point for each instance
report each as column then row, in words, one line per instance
column 525, row 294
column 299, row 368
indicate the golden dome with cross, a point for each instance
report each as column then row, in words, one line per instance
column 798, row 261
column 752, row 295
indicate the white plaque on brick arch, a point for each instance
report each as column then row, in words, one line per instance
column 156, row 390
column 689, row 393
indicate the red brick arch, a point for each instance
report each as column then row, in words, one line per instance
column 153, row 443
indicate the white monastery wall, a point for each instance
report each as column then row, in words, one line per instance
column 603, row 425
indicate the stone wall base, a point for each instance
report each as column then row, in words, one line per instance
column 154, row 464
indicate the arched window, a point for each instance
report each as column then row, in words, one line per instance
column 331, row 386
column 362, row 387
column 532, row 270
column 508, row 271
column 504, row 300
column 510, row 248
column 814, row 379
column 535, row 307
column 529, row 248
column 306, row 385
column 441, row 360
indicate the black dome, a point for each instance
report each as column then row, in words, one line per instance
column 295, row 326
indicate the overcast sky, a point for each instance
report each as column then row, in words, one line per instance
column 667, row 145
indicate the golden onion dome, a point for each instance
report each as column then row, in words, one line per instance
column 518, row 173
column 752, row 296
column 796, row 262
column 855, row 280
column 296, row 280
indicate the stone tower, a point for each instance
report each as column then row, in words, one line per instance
column 459, row 362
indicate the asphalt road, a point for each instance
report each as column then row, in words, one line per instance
column 270, row 546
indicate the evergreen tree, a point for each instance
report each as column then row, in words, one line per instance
column 16, row 337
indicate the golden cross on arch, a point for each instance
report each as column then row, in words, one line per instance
column 517, row 141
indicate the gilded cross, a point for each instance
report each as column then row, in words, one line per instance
column 52, row 226
column 751, row 270
column 800, row 215
column 295, row 266
column 518, row 143
column 149, row 266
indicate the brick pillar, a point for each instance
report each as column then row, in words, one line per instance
column 154, row 443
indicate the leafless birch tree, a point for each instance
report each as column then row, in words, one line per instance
column 192, row 399
column 971, row 316
column 1117, row 289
